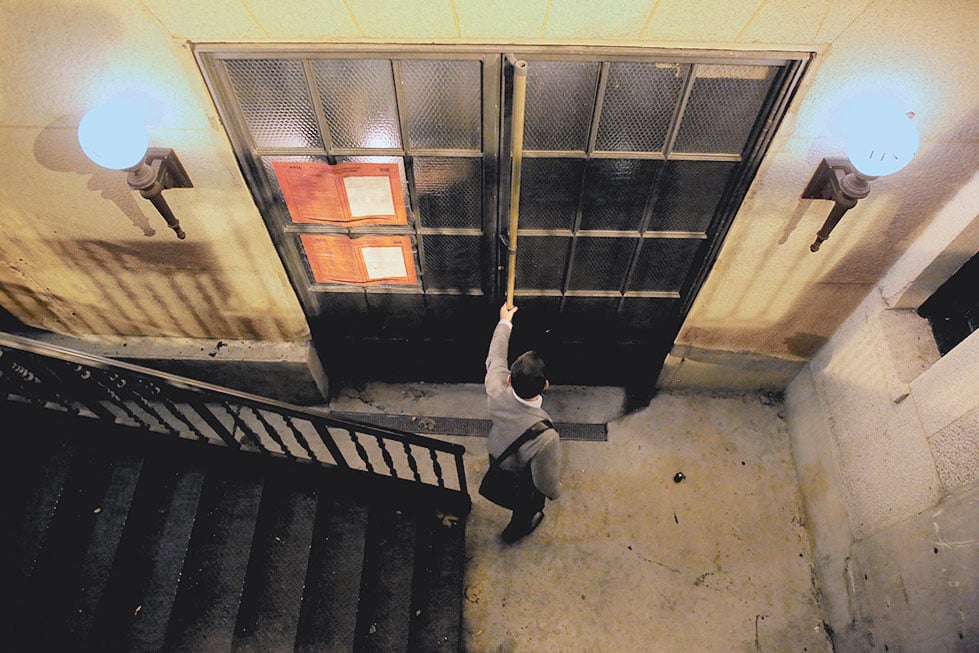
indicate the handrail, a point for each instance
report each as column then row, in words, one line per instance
column 91, row 386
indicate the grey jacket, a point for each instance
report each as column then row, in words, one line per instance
column 511, row 418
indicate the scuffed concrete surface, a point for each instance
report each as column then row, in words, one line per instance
column 629, row 560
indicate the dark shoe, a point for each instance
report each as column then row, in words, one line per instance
column 514, row 532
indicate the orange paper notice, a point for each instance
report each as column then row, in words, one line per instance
column 347, row 194
column 361, row 261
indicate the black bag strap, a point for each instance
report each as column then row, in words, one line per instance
column 526, row 436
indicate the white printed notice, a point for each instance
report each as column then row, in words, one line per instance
column 384, row 262
column 369, row 196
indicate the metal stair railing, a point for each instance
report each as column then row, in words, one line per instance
column 61, row 379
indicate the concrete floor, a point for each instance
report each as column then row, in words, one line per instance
column 627, row 559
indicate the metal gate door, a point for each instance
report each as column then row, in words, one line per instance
column 635, row 163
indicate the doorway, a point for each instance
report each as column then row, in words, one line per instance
column 635, row 162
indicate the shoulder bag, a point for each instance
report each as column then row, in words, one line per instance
column 502, row 486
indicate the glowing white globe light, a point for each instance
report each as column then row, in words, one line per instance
column 113, row 137
column 882, row 140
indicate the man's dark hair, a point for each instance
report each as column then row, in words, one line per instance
column 527, row 375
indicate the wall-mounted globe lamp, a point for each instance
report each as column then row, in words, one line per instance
column 881, row 141
column 113, row 137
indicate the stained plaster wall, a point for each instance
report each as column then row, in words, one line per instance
column 885, row 436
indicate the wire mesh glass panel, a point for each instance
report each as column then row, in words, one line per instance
column 723, row 107
column 541, row 261
column 615, row 193
column 640, row 100
column 274, row 102
column 642, row 314
column 600, row 263
column 452, row 262
column 664, row 263
column 550, row 190
column 689, row 192
column 449, row 191
column 560, row 100
column 442, row 99
column 358, row 100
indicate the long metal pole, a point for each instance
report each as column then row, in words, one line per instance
column 516, row 158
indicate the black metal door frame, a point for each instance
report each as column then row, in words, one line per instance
column 435, row 357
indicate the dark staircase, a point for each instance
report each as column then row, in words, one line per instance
column 128, row 541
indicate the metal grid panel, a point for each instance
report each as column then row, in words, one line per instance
column 615, row 194
column 274, row 102
column 452, row 262
column 541, row 261
column 449, row 192
column 550, row 190
column 639, row 315
column 689, row 194
column 640, row 101
column 723, row 107
column 357, row 96
column 442, row 99
column 600, row 263
column 664, row 263
column 560, row 97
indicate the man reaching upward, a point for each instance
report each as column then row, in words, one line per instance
column 514, row 399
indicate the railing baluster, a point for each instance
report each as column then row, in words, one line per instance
column 299, row 437
column 177, row 412
column 437, row 467
column 272, row 433
column 80, row 379
column 412, row 462
column 113, row 378
column 360, row 450
column 247, row 431
column 326, row 437
column 147, row 406
column 215, row 424
column 386, row 455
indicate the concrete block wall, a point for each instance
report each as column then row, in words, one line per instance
column 885, row 436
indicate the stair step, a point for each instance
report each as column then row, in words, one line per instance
column 268, row 617
column 59, row 581
column 98, row 559
column 384, row 618
column 213, row 574
column 130, row 540
column 437, row 595
column 135, row 608
column 328, row 615
column 39, row 464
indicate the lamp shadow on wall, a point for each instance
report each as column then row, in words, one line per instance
column 153, row 288
column 57, row 149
